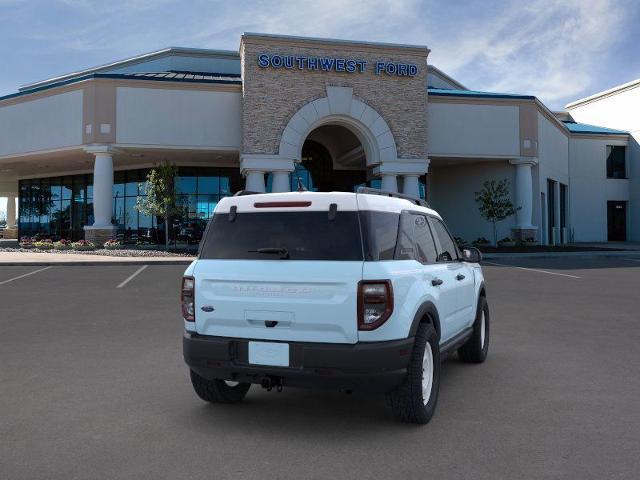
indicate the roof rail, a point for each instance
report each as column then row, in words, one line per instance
column 242, row 193
column 375, row 191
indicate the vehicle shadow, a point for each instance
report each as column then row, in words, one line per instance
column 299, row 411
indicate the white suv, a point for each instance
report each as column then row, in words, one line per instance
column 351, row 291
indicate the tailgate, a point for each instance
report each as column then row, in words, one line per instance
column 303, row 301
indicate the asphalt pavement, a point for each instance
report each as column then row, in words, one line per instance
column 93, row 386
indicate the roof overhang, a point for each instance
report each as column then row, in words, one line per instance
column 145, row 57
column 224, row 82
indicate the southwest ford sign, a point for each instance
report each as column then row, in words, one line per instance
column 333, row 64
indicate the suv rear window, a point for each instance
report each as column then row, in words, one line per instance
column 302, row 235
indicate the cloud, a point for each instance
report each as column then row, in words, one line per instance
column 557, row 50
column 543, row 47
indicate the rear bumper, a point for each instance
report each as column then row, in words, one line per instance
column 375, row 366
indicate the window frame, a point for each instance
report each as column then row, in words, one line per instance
column 606, row 163
column 433, row 218
column 366, row 235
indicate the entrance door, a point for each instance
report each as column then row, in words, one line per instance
column 543, row 222
column 617, row 221
column 563, row 213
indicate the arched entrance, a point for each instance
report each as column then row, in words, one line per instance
column 334, row 158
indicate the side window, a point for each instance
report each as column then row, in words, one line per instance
column 415, row 241
column 380, row 231
column 448, row 251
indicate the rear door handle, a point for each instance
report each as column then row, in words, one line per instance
column 436, row 281
column 459, row 277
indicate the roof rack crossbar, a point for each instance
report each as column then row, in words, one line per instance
column 383, row 193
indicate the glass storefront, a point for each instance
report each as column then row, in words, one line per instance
column 59, row 207
column 55, row 207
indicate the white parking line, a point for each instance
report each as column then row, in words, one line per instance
column 532, row 270
column 25, row 275
column 132, row 276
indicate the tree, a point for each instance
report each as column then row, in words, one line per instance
column 160, row 199
column 494, row 203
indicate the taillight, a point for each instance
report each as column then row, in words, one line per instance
column 375, row 303
column 187, row 299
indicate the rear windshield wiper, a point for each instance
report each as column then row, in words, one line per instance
column 283, row 252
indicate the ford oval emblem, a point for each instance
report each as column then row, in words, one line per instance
column 207, row 308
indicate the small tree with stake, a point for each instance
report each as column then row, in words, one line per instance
column 494, row 203
column 160, row 199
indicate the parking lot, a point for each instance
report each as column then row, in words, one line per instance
column 92, row 385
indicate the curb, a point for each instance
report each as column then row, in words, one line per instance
column 617, row 253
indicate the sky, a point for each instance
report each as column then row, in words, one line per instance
column 557, row 50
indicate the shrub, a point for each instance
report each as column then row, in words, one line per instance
column 112, row 244
column 45, row 244
column 481, row 241
column 62, row 245
column 26, row 242
column 83, row 245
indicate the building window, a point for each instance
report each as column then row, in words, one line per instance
column 616, row 164
column 59, row 207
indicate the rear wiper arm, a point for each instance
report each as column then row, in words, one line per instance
column 283, row 252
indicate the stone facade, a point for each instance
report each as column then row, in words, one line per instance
column 272, row 96
column 9, row 233
column 524, row 234
column 99, row 236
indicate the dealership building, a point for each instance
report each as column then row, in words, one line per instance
column 328, row 114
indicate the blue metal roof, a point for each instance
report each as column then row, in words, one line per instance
column 444, row 92
column 188, row 77
column 575, row 127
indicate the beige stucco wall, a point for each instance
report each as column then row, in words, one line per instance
column 178, row 117
column 272, row 96
column 460, row 129
column 452, row 193
column 45, row 123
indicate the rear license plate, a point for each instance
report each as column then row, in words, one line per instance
column 269, row 353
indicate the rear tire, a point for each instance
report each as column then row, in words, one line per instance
column 218, row 391
column 476, row 348
column 415, row 400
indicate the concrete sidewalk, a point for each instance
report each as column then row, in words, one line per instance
column 38, row 259
column 593, row 253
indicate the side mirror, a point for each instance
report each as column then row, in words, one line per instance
column 471, row 255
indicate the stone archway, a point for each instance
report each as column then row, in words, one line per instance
column 339, row 107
